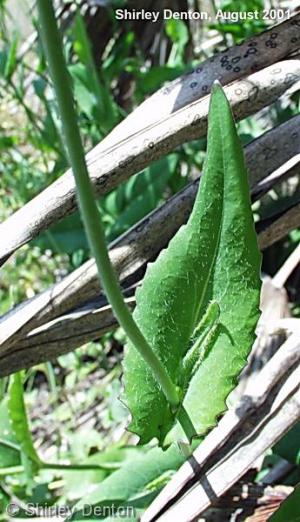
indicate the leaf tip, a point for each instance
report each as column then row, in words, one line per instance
column 217, row 86
column 217, row 89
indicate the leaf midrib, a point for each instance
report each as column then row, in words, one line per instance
column 217, row 247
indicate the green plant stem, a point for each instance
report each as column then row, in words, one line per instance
column 186, row 423
column 89, row 211
column 49, row 465
column 46, row 465
column 13, row 470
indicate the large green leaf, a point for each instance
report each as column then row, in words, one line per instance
column 214, row 257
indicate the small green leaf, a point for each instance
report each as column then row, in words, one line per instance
column 135, row 484
column 141, row 194
column 289, row 510
column 177, row 31
column 9, row 448
column 18, row 418
column 92, row 94
column 214, row 257
column 66, row 236
column 11, row 61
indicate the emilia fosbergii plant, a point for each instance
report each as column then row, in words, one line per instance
column 196, row 312
column 197, row 309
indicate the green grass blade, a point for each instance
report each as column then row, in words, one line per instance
column 18, row 418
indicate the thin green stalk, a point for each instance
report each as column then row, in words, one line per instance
column 89, row 211
column 12, row 470
column 49, row 465
column 186, row 423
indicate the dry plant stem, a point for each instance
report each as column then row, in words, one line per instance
column 228, row 66
column 242, row 60
column 251, row 501
column 287, row 170
column 88, row 207
column 212, row 485
column 287, row 268
column 275, row 228
column 74, row 329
